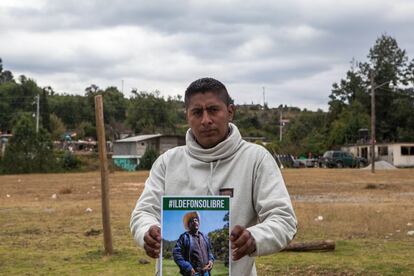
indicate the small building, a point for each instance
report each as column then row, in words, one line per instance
column 4, row 139
column 128, row 151
column 398, row 154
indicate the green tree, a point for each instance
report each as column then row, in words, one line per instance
column 149, row 113
column 16, row 98
column 5, row 76
column 352, row 88
column 44, row 108
column 57, row 126
column 85, row 129
column 220, row 241
column 71, row 109
column 392, row 74
column 306, row 134
column 345, row 129
column 149, row 157
column 389, row 64
column 28, row 151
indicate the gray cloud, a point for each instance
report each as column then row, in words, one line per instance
column 295, row 49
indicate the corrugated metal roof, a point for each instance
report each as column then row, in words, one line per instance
column 125, row 156
column 138, row 138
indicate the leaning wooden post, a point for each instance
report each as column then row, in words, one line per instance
column 100, row 130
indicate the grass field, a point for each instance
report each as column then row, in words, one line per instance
column 171, row 269
column 367, row 215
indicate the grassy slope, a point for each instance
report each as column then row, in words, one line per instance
column 40, row 235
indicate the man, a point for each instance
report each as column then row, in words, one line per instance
column 192, row 252
column 214, row 161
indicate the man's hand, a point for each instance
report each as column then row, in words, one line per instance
column 208, row 266
column 242, row 242
column 193, row 272
column 152, row 241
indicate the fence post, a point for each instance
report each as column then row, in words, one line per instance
column 100, row 130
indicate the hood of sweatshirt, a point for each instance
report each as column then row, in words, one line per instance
column 221, row 151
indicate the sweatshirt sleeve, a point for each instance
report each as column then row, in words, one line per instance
column 277, row 220
column 147, row 211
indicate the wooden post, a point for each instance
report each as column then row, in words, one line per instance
column 100, row 130
column 372, row 123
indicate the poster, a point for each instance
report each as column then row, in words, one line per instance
column 195, row 233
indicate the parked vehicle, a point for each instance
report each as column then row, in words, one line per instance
column 307, row 162
column 341, row 159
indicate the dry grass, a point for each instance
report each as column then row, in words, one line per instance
column 348, row 208
column 365, row 213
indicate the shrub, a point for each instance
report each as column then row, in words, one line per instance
column 149, row 157
column 70, row 161
column 28, row 151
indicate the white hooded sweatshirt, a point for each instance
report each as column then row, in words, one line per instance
column 260, row 200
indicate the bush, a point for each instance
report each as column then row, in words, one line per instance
column 70, row 161
column 149, row 157
column 28, row 151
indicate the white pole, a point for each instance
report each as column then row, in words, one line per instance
column 37, row 112
column 281, row 125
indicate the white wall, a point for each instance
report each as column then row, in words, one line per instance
column 402, row 160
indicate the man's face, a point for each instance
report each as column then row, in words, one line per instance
column 209, row 117
column 194, row 225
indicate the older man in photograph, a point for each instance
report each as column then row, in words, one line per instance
column 192, row 252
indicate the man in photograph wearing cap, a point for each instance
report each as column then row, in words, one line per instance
column 217, row 161
column 192, row 252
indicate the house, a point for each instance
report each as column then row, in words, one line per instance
column 128, row 151
column 4, row 139
column 398, row 154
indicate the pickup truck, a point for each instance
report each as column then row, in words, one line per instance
column 341, row 159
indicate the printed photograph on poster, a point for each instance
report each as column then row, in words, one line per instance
column 195, row 233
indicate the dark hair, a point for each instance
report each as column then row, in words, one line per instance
column 205, row 85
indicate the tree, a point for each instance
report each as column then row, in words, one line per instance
column 149, row 113
column 388, row 63
column 220, row 241
column 71, row 109
column 28, row 151
column 5, row 76
column 44, row 109
column 16, row 98
column 306, row 134
column 392, row 73
column 149, row 157
column 85, row 129
column 352, row 88
column 57, row 126
column 344, row 130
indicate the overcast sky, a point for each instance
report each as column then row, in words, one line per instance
column 295, row 49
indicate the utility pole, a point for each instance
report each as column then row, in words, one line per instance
column 372, row 123
column 281, row 124
column 122, row 87
column 264, row 97
column 37, row 112
column 373, row 118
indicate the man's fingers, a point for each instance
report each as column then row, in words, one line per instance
column 210, row 265
column 241, row 240
column 243, row 250
column 150, row 241
column 152, row 252
column 155, row 232
column 236, row 232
